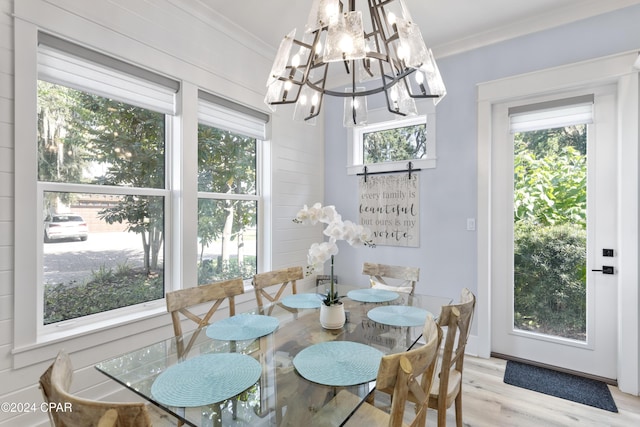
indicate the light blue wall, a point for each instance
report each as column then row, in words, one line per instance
column 447, row 255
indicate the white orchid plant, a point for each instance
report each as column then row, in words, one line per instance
column 336, row 229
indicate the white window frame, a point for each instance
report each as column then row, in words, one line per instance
column 29, row 344
column 355, row 155
column 59, row 64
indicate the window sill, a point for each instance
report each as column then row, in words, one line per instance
column 87, row 336
column 144, row 327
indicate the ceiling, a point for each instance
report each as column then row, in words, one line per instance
column 448, row 26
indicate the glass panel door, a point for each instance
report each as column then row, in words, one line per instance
column 550, row 231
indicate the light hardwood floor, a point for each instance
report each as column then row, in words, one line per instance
column 488, row 401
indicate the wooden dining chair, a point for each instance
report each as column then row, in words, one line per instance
column 55, row 384
column 380, row 273
column 182, row 302
column 282, row 277
column 397, row 376
column 447, row 387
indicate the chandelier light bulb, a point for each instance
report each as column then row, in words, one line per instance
column 393, row 94
column 346, row 44
column 391, row 17
column 314, row 100
column 402, row 52
column 331, row 9
column 295, row 61
column 419, row 77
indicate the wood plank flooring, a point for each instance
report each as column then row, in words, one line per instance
column 488, row 401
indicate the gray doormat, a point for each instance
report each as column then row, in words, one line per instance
column 560, row 384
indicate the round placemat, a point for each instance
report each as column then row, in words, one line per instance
column 242, row 327
column 372, row 295
column 338, row 363
column 398, row 315
column 302, row 301
column 206, row 379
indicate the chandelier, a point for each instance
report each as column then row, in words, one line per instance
column 384, row 54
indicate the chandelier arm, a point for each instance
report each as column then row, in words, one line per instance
column 353, row 90
column 366, row 65
column 385, row 86
column 380, row 14
column 315, row 110
column 305, row 45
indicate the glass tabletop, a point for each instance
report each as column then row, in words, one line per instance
column 281, row 396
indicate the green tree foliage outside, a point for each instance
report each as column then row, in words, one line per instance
column 397, row 144
column 89, row 139
column 550, row 200
column 224, row 219
column 79, row 131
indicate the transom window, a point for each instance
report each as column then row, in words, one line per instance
column 395, row 144
column 391, row 145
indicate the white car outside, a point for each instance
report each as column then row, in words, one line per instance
column 65, row 226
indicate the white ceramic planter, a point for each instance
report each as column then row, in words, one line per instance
column 332, row 316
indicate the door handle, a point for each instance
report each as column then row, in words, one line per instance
column 606, row 269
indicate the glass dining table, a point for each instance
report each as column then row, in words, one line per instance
column 276, row 366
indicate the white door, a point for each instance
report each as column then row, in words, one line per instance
column 548, row 305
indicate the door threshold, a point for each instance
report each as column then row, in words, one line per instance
column 610, row 381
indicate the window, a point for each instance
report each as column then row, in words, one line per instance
column 102, row 139
column 228, row 190
column 107, row 200
column 392, row 145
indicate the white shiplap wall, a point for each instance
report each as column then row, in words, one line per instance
column 187, row 41
column 6, row 183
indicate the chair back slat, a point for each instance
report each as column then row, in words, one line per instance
column 457, row 318
column 182, row 302
column 263, row 283
column 422, row 361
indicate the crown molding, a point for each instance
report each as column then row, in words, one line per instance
column 553, row 18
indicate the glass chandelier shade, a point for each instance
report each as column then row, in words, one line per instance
column 342, row 46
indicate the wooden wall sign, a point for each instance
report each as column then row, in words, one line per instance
column 389, row 207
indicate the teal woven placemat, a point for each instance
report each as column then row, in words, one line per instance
column 338, row 363
column 302, row 301
column 206, row 379
column 398, row 315
column 242, row 327
column 372, row 295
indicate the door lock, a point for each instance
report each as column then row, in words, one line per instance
column 606, row 269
